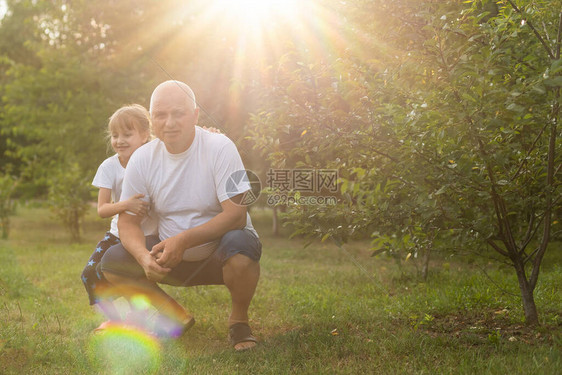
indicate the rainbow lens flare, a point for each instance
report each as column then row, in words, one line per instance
column 123, row 349
column 141, row 311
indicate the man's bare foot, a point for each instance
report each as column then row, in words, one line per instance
column 244, row 346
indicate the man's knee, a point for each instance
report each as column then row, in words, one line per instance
column 240, row 261
column 240, row 266
column 111, row 277
column 236, row 238
column 117, row 262
column 239, row 242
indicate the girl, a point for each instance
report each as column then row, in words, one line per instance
column 128, row 129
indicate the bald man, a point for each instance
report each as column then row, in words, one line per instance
column 183, row 173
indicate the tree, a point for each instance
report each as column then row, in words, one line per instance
column 8, row 185
column 484, row 121
column 443, row 127
column 61, row 85
column 69, row 197
column 52, row 107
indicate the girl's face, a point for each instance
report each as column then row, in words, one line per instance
column 125, row 141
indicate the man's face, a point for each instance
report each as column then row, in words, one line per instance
column 173, row 118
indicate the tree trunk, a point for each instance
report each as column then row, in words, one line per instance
column 432, row 233
column 275, row 222
column 5, row 227
column 425, row 266
column 75, row 227
column 529, row 306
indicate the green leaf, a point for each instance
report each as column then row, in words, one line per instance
column 553, row 82
column 539, row 88
column 360, row 172
column 556, row 66
column 515, row 107
column 377, row 252
column 441, row 190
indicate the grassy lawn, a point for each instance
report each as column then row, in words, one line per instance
column 317, row 310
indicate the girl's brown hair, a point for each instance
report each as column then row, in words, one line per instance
column 133, row 116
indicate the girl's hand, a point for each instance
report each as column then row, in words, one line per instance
column 212, row 130
column 137, row 205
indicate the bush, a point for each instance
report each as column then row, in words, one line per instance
column 69, row 193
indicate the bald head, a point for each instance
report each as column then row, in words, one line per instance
column 175, row 88
column 174, row 115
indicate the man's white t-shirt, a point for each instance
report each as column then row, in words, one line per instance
column 110, row 176
column 185, row 190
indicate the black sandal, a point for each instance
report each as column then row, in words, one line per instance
column 240, row 332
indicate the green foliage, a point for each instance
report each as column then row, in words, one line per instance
column 62, row 78
column 69, row 196
column 444, row 130
column 49, row 117
column 66, row 66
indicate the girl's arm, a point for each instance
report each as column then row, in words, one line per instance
column 135, row 204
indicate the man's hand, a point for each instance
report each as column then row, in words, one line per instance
column 152, row 270
column 168, row 253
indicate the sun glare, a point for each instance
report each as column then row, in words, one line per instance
column 255, row 13
column 248, row 38
column 256, row 27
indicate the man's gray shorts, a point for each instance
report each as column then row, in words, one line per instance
column 118, row 261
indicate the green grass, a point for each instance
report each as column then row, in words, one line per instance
column 315, row 312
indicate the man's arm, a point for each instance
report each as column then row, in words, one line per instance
column 170, row 251
column 132, row 237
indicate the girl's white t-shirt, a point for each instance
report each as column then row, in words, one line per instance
column 186, row 189
column 110, row 175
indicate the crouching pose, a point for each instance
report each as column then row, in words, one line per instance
column 186, row 174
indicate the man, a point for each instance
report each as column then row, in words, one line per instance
column 184, row 174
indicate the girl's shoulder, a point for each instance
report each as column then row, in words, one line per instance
column 109, row 171
column 111, row 162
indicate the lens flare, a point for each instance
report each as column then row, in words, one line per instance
column 122, row 349
column 140, row 302
column 146, row 312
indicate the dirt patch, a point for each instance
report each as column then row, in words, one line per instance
column 14, row 359
column 490, row 326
